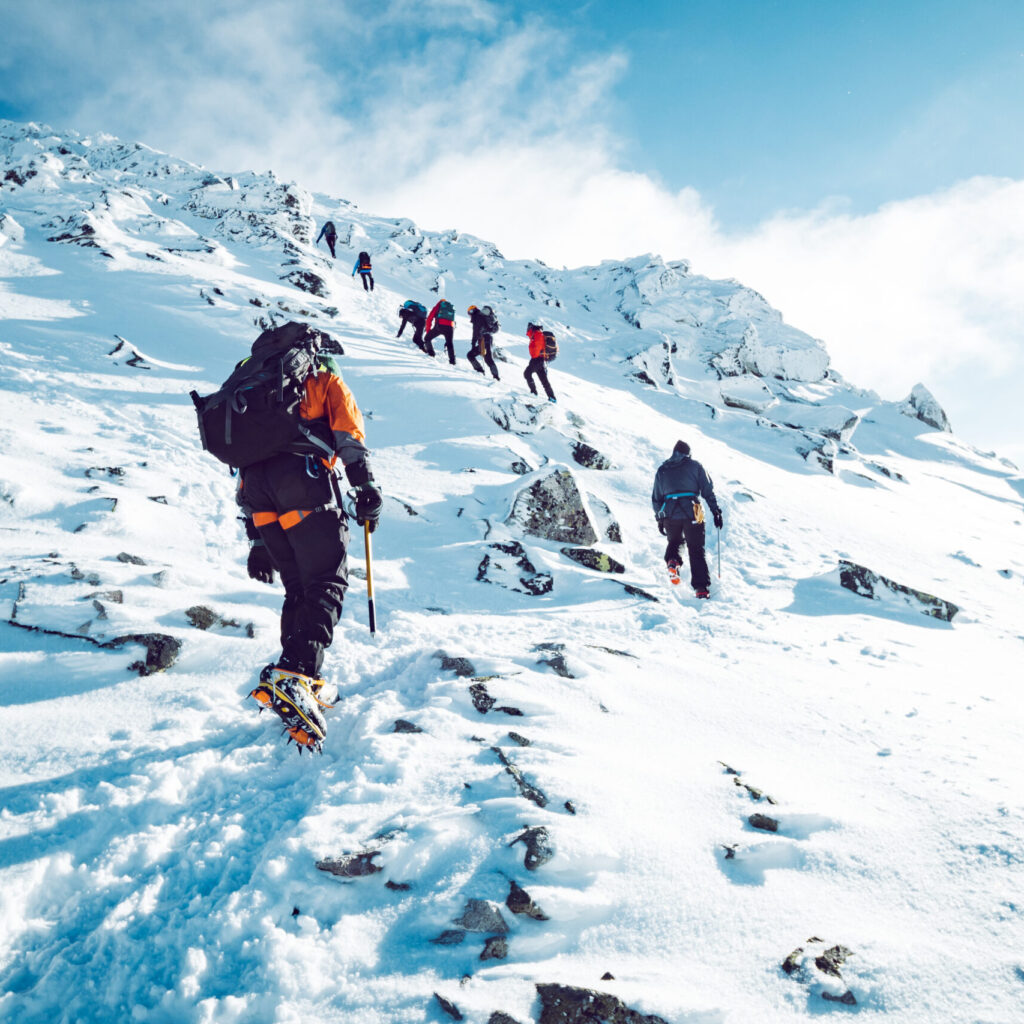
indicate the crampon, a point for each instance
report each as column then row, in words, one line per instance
column 295, row 699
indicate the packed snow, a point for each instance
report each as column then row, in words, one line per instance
column 790, row 801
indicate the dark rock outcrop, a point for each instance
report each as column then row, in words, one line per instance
column 482, row 700
column 351, row 865
column 592, row 559
column 538, row 846
column 511, row 568
column 526, row 788
column 552, row 508
column 308, row 282
column 819, row 965
column 866, row 583
column 460, row 666
column 482, row 916
column 495, row 948
column 589, row 457
column 401, row 725
column 564, row 1004
column 449, row 1007
column 519, row 901
column 763, row 822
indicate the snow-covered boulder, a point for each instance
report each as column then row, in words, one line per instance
column 867, row 583
column 922, row 405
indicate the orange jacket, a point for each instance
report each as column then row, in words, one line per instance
column 537, row 346
column 329, row 400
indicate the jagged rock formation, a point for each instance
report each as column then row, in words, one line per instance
column 564, row 1004
column 552, row 508
column 871, row 584
column 922, row 405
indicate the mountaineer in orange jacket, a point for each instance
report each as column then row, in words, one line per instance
column 538, row 360
column 295, row 525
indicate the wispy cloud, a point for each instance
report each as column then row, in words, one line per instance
column 460, row 114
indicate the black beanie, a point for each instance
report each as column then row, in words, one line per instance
column 681, row 448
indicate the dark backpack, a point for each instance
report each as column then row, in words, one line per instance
column 445, row 310
column 255, row 414
column 490, row 320
column 411, row 306
column 364, row 261
column 550, row 347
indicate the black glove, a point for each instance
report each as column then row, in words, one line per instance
column 661, row 527
column 369, row 502
column 717, row 516
column 259, row 565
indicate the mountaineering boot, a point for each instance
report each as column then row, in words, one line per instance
column 703, row 593
column 673, row 574
column 292, row 696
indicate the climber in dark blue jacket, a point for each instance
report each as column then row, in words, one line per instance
column 679, row 485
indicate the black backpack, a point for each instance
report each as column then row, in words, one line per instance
column 490, row 320
column 550, row 347
column 255, row 414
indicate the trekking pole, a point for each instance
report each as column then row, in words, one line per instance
column 718, row 549
column 369, row 579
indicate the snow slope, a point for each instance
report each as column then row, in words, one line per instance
column 158, row 840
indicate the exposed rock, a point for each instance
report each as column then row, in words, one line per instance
column 564, row 1004
column 552, row 508
column 521, row 740
column 202, row 617
column 748, row 393
column 569, row 806
column 351, row 865
column 592, row 559
column 558, row 664
column 161, row 651
column 526, row 788
column 520, row 902
column 819, row 966
column 308, row 282
column 589, row 457
column 521, row 468
column 495, row 948
column 867, row 583
column 113, row 596
column 515, row 571
column 482, row 700
column 510, row 711
column 921, row 404
column 638, row 592
column 401, row 725
column 450, row 937
column 460, row 666
column 538, row 846
column 607, row 976
column 612, row 650
column 482, row 916
column 763, row 822
column 450, row 1008
column 397, row 886
column 130, row 559
column 498, row 1017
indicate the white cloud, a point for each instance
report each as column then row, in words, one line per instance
column 455, row 114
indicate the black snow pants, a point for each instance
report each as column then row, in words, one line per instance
column 679, row 531
column 330, row 240
column 306, row 537
column 482, row 347
column 441, row 331
column 537, row 366
column 367, row 281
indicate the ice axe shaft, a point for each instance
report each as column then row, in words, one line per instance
column 369, row 579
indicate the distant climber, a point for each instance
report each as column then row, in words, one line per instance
column 679, row 484
column 364, row 269
column 330, row 234
column 441, row 324
column 415, row 313
column 283, row 418
column 541, row 342
column 485, row 326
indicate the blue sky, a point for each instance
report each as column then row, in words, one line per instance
column 858, row 163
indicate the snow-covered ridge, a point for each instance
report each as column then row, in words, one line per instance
column 719, row 784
